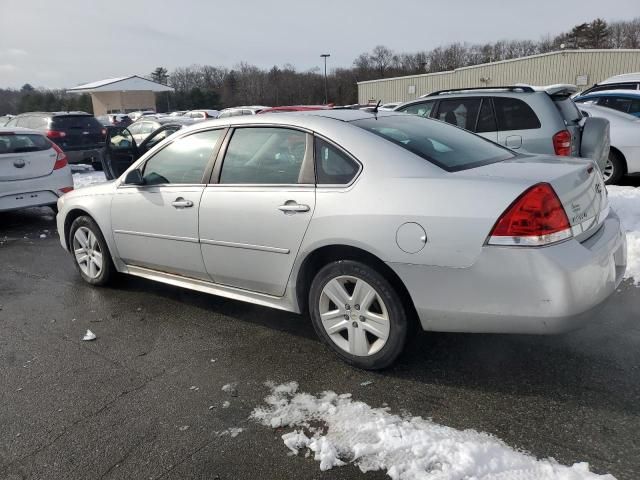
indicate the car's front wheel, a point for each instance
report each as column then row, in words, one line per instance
column 358, row 313
column 90, row 251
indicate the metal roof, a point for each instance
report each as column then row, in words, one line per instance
column 121, row 84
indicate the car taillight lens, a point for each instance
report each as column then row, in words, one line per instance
column 536, row 218
column 562, row 143
column 56, row 134
column 61, row 157
column 66, row 189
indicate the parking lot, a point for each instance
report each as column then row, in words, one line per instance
column 146, row 398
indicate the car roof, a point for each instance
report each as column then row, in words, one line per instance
column 623, row 78
column 19, row 130
column 607, row 93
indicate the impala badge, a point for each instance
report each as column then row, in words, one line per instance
column 19, row 163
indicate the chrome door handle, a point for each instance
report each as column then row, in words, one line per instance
column 182, row 203
column 293, row 207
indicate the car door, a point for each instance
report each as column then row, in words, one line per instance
column 120, row 152
column 155, row 224
column 254, row 214
column 518, row 126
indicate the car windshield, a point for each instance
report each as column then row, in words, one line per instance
column 22, row 143
column 448, row 147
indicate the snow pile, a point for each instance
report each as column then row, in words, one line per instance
column 339, row 430
column 626, row 203
column 88, row 178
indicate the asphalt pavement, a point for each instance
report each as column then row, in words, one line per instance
column 145, row 400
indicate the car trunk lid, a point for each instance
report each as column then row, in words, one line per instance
column 578, row 184
column 24, row 156
column 80, row 132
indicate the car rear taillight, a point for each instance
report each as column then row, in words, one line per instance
column 562, row 143
column 56, row 134
column 61, row 157
column 536, row 218
column 66, row 189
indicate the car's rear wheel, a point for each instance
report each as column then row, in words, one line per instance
column 358, row 313
column 614, row 169
column 90, row 251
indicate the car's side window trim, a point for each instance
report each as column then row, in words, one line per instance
column 207, row 169
column 307, row 168
column 343, row 151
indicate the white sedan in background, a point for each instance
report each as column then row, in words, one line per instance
column 33, row 170
column 624, row 156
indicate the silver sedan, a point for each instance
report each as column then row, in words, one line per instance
column 369, row 222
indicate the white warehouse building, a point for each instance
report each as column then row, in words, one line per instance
column 580, row 67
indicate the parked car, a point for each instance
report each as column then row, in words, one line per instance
column 177, row 113
column 390, row 106
column 5, row 119
column 624, row 155
column 237, row 111
column 136, row 115
column 78, row 134
column 142, row 128
column 627, row 101
column 533, row 119
column 626, row 81
column 33, row 170
column 121, row 148
column 295, row 108
column 306, row 212
column 201, row 114
column 115, row 119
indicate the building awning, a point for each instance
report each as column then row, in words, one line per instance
column 121, row 84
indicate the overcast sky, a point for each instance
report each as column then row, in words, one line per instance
column 67, row 42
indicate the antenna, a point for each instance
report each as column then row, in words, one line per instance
column 375, row 109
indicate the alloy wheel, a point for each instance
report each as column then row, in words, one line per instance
column 87, row 252
column 354, row 315
column 608, row 171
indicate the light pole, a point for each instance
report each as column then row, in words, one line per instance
column 325, row 55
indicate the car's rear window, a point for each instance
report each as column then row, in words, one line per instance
column 568, row 109
column 448, row 147
column 22, row 143
column 75, row 121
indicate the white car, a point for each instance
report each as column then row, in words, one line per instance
column 33, row 170
column 624, row 155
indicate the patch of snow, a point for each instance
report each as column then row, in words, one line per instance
column 408, row 448
column 625, row 201
column 84, row 179
column 42, row 235
column 365, row 383
column 89, row 336
column 233, row 432
column 226, row 404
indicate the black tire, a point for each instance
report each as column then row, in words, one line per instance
column 394, row 306
column 54, row 207
column 618, row 165
column 108, row 270
column 97, row 166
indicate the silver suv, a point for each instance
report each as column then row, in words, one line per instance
column 523, row 118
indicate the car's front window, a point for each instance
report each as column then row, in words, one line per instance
column 448, row 147
column 183, row 161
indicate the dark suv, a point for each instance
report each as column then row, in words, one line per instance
column 78, row 134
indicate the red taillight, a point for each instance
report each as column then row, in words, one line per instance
column 61, row 157
column 56, row 134
column 66, row 189
column 562, row 143
column 536, row 218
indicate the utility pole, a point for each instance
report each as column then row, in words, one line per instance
column 325, row 55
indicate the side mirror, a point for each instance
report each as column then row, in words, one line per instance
column 134, row 177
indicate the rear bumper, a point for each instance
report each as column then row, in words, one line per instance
column 84, row 156
column 34, row 192
column 521, row 290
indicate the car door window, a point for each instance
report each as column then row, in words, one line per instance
column 514, row 114
column 264, row 155
column 462, row 112
column 182, row 161
column 147, row 127
column 333, row 167
column 621, row 104
column 486, row 119
column 135, row 128
column 423, row 109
